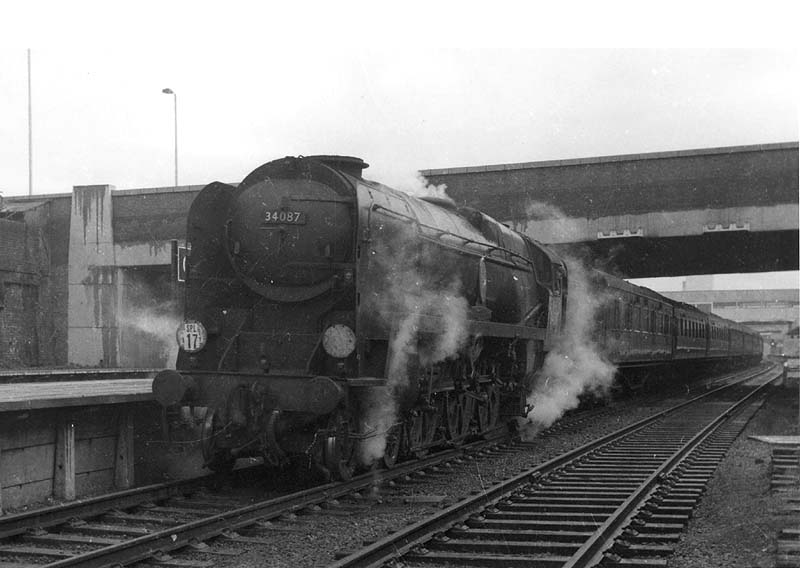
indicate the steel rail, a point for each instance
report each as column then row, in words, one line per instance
column 591, row 552
column 19, row 523
column 398, row 544
column 177, row 537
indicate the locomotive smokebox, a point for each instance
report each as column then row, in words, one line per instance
column 291, row 226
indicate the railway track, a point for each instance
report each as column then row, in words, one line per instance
column 151, row 523
column 146, row 523
column 623, row 499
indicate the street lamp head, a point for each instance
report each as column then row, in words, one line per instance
column 168, row 91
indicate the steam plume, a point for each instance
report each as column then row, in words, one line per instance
column 417, row 185
column 576, row 365
column 417, row 289
column 159, row 325
column 147, row 319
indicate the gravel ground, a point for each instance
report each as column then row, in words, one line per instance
column 735, row 526
column 738, row 518
column 314, row 539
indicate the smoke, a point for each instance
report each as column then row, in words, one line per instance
column 148, row 317
column 560, row 228
column 416, row 184
column 421, row 300
column 158, row 325
column 576, row 364
column 550, row 220
column 540, row 211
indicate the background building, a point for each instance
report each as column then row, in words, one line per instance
column 773, row 313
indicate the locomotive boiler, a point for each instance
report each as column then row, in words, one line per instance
column 334, row 321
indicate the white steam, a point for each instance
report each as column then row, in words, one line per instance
column 428, row 316
column 541, row 211
column 158, row 325
column 576, row 365
column 416, row 184
column 147, row 317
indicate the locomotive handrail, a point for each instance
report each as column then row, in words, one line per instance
column 489, row 248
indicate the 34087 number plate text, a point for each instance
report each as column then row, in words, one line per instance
column 284, row 217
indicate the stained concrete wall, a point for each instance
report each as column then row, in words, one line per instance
column 735, row 177
column 87, row 278
column 124, row 303
column 101, row 446
column 93, row 335
column 27, row 331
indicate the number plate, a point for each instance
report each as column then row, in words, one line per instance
column 191, row 336
column 284, row 218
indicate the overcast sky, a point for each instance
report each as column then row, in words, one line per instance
column 99, row 116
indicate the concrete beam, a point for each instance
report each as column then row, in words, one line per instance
column 123, row 464
column 64, row 474
column 662, row 224
column 710, row 253
column 92, row 333
column 157, row 253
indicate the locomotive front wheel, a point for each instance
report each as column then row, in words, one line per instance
column 339, row 450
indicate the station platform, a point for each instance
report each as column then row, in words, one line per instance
column 21, row 396
column 43, row 374
column 69, row 433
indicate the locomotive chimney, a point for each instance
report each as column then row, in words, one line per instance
column 347, row 164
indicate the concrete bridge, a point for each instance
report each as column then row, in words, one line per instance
column 709, row 211
column 85, row 277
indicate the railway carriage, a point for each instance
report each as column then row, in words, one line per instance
column 331, row 319
column 690, row 333
column 718, row 337
column 636, row 324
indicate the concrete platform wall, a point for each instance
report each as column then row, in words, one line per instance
column 64, row 454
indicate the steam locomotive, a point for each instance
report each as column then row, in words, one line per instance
column 335, row 321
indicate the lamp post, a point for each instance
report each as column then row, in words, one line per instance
column 175, row 99
column 30, row 130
